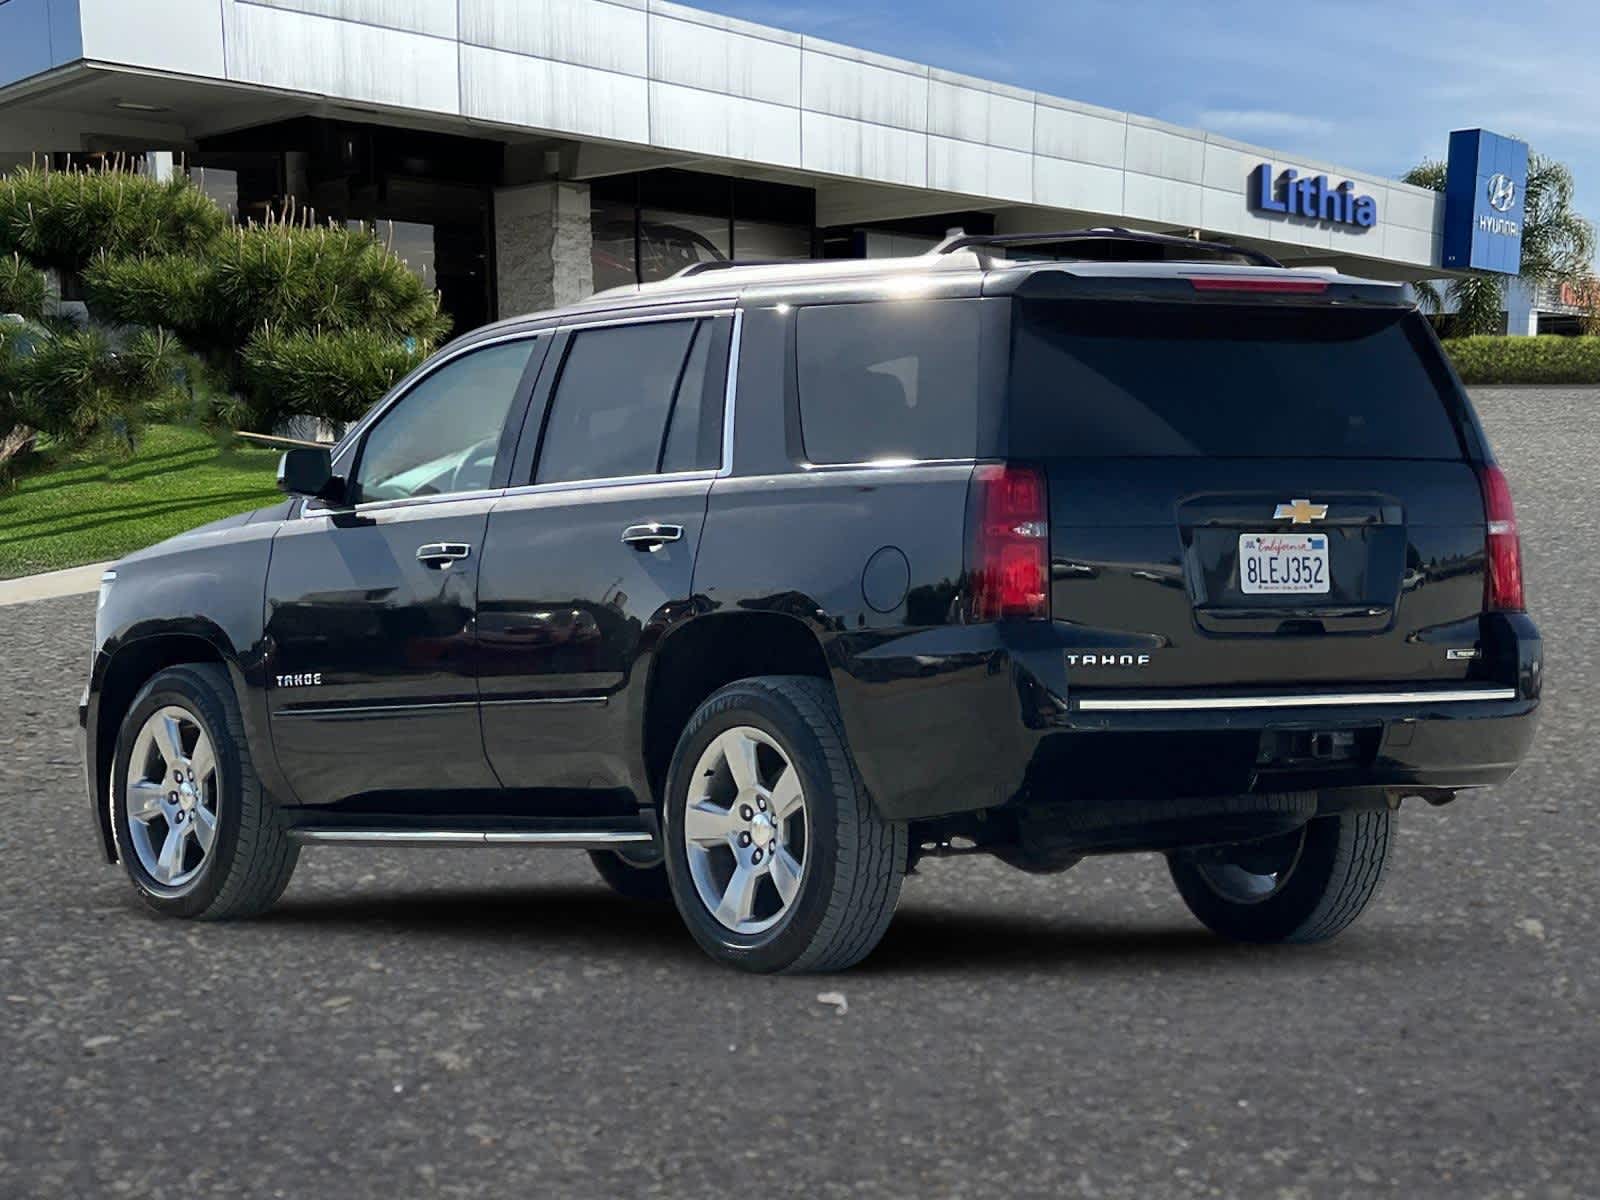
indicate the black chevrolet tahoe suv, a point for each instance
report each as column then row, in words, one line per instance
column 762, row 583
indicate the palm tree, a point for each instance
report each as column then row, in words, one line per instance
column 1558, row 246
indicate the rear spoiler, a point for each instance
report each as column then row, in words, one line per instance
column 1200, row 284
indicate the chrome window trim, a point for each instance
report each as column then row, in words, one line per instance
column 583, row 485
column 1308, row 700
column 730, row 393
column 688, row 314
column 372, row 506
column 724, row 470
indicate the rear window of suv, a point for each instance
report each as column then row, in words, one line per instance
column 1125, row 379
column 893, row 379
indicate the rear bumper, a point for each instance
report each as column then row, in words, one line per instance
column 978, row 717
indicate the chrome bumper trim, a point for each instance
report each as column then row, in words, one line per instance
column 1313, row 700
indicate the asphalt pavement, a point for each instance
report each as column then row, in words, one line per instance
column 496, row 1023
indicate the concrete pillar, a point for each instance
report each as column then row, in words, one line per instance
column 1522, row 309
column 158, row 165
column 543, row 246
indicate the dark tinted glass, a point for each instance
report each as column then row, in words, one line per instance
column 612, row 401
column 694, row 435
column 443, row 435
column 1150, row 380
column 896, row 379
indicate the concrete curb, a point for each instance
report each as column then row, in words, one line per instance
column 74, row 581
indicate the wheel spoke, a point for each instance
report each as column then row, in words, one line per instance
column 169, row 741
column 785, row 874
column 205, row 826
column 203, row 761
column 144, row 800
column 786, row 794
column 739, row 901
column 739, row 748
column 707, row 825
column 170, row 865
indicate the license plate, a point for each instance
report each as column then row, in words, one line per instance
column 1277, row 564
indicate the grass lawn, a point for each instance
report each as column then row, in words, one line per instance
column 77, row 510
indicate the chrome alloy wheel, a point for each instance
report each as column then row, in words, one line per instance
column 1252, row 871
column 171, row 797
column 745, row 831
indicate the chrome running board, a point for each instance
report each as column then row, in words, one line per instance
column 577, row 839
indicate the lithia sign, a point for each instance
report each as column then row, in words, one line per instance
column 1310, row 197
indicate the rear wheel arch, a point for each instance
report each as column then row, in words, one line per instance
column 708, row 652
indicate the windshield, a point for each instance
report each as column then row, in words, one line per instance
column 1130, row 379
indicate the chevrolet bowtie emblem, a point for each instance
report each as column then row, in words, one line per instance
column 1300, row 512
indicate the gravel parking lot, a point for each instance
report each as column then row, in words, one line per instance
column 496, row 1023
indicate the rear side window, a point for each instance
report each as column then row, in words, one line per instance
column 1166, row 380
column 634, row 400
column 890, row 380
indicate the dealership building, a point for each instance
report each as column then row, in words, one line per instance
column 524, row 153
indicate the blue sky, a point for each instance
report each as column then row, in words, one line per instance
column 1369, row 85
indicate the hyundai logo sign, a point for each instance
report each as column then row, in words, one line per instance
column 1485, row 191
column 1502, row 192
column 1312, row 198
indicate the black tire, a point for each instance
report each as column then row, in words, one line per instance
column 646, row 882
column 252, row 858
column 1334, row 867
column 854, row 859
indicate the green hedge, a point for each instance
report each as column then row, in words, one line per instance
column 1485, row 360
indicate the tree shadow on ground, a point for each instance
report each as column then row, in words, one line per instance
column 46, row 526
column 71, row 474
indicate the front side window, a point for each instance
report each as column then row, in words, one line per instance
column 443, row 435
column 635, row 400
column 889, row 380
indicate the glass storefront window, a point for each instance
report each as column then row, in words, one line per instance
column 759, row 241
column 615, row 265
column 651, row 226
column 221, row 185
column 671, row 241
column 414, row 244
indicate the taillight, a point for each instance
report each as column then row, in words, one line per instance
column 1008, row 544
column 1502, row 585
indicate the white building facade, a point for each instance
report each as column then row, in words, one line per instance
column 522, row 152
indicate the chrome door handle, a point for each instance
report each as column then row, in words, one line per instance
column 440, row 555
column 652, row 536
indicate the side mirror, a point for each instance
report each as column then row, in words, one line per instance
column 308, row 471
